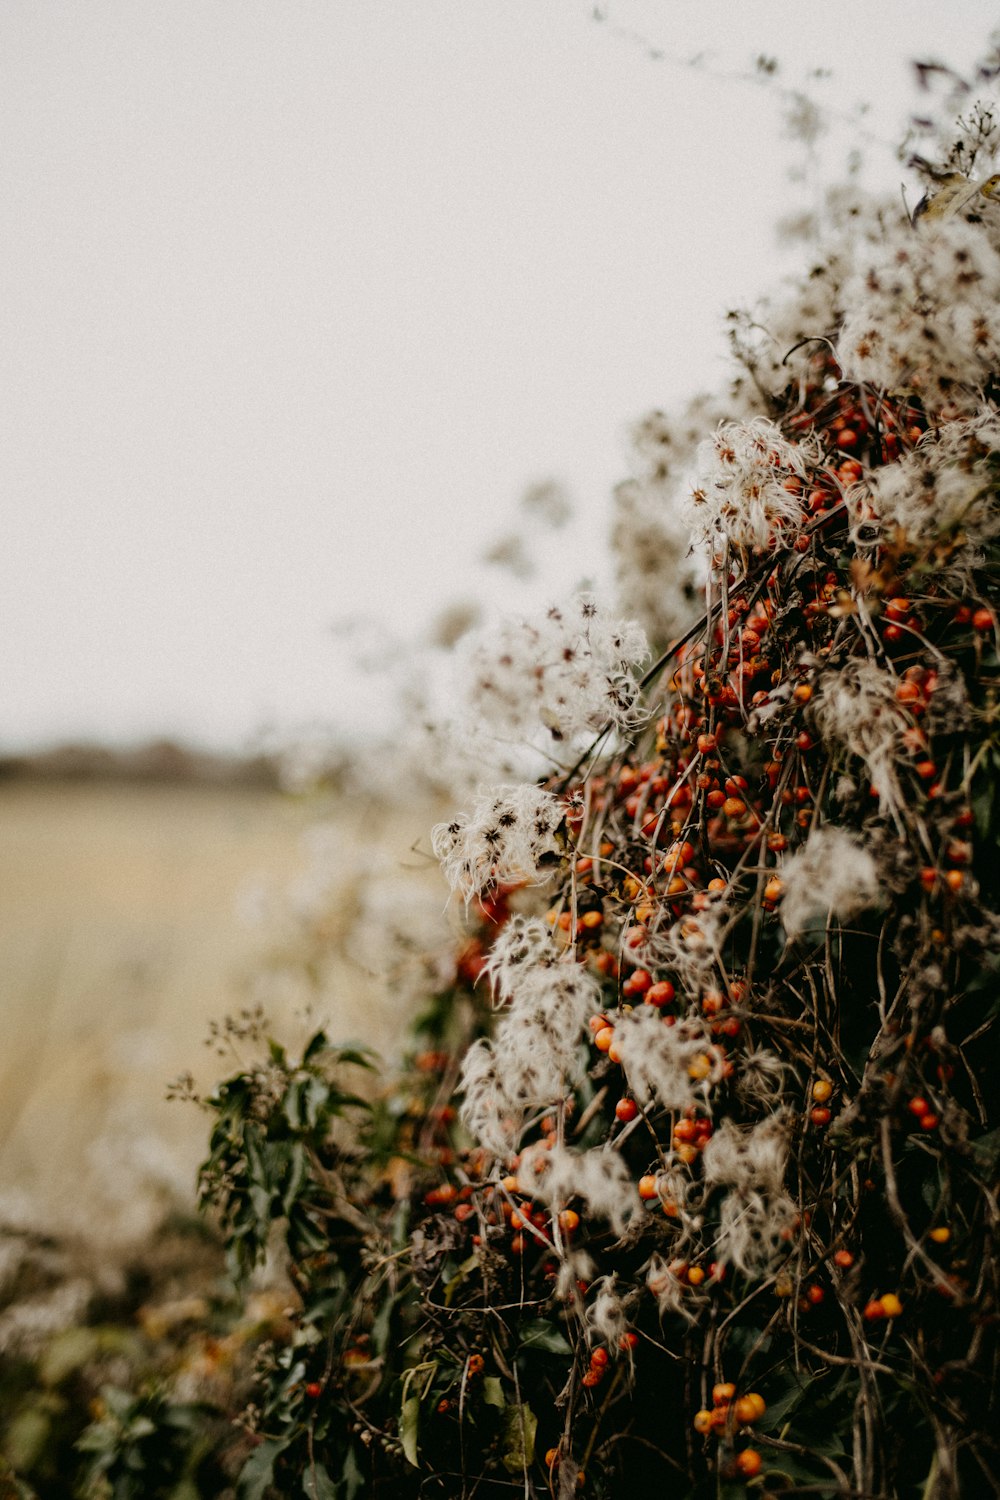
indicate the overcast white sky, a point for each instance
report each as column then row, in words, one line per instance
column 298, row 295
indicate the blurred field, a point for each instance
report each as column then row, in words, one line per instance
column 119, row 940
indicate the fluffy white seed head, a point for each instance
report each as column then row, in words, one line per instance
column 832, row 875
column 756, row 1217
column 739, row 489
column 656, row 570
column 924, row 315
column 606, row 1318
column 752, row 1160
column 948, row 484
column 535, row 1052
column 598, row 1178
column 523, row 943
column 509, row 837
column 857, row 708
column 754, row 1231
column 671, row 1066
column 569, row 671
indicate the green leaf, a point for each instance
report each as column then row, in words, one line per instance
column 545, row 1336
column 317, row 1044
column 361, row 1057
column 520, row 1424
column 493, row 1391
column 452, row 1286
column 409, row 1426
column 67, row 1352
column 296, row 1177
column 317, row 1484
column 355, row 1482
column 258, row 1471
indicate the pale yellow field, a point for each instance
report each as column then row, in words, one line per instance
column 120, row 940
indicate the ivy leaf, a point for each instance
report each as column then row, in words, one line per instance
column 493, row 1391
column 257, row 1473
column 452, row 1286
column 409, row 1426
column 520, row 1424
column 317, row 1484
column 545, row 1336
column 354, row 1479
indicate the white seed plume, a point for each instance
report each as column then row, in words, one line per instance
column 674, row 1067
column 535, row 1053
column 832, row 875
column 924, row 314
column 599, row 1178
column 739, row 488
column 756, row 1217
column 570, row 671
column 947, row 484
column 857, row 709
column 507, row 839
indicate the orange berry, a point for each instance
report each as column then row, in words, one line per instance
column 569, row 1220
column 660, row 993
column 748, row 1463
column 891, row 1305
column 723, row 1393
column 604, row 1038
column 648, row 1188
column 843, row 1259
column 703, row 1421
column 822, row 1090
column 746, row 1411
column 626, row 1110
column 941, row 1235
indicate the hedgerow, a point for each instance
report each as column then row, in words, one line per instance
column 689, row 1180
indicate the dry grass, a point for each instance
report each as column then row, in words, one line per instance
column 120, row 940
